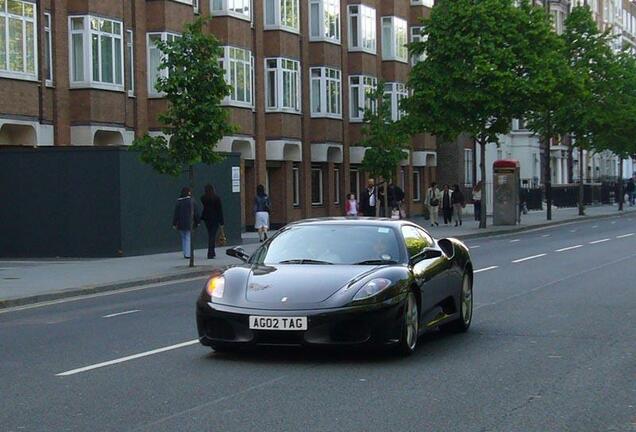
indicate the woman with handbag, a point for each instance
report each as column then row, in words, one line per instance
column 213, row 217
column 433, row 197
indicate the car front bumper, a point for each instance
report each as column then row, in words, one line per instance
column 357, row 325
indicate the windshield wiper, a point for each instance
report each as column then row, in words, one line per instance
column 375, row 262
column 305, row 261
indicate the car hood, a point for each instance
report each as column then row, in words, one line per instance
column 298, row 286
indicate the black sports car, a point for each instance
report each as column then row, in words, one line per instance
column 339, row 282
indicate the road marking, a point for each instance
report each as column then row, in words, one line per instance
column 529, row 258
column 625, row 235
column 546, row 235
column 102, row 294
column 613, row 222
column 572, row 231
column 127, row 358
column 568, row 248
column 515, row 241
column 121, row 313
column 595, row 226
column 486, row 269
column 600, row 241
column 473, row 247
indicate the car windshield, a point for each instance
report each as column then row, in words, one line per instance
column 331, row 244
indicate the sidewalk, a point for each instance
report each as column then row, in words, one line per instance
column 32, row 281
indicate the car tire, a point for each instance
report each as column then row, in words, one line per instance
column 410, row 326
column 462, row 323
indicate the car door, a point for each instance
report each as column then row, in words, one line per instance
column 425, row 271
column 441, row 267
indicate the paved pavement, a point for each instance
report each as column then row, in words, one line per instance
column 30, row 281
column 552, row 348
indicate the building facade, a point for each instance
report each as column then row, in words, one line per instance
column 83, row 72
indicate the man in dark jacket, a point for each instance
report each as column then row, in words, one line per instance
column 186, row 216
column 368, row 199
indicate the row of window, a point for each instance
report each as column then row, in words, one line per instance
column 317, row 184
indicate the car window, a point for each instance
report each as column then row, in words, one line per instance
column 332, row 244
column 428, row 240
column 414, row 242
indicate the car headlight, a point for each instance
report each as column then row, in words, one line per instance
column 215, row 287
column 371, row 288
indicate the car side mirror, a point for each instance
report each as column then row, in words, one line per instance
column 238, row 252
column 426, row 254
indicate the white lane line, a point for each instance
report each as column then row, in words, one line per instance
column 128, row 358
column 572, row 231
column 529, row 258
column 625, row 235
column 515, row 241
column 613, row 222
column 546, row 235
column 473, row 247
column 486, row 269
column 569, row 248
column 600, row 241
column 121, row 313
column 595, row 226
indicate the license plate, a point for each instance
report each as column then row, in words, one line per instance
column 277, row 323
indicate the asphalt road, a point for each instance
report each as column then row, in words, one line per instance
column 552, row 348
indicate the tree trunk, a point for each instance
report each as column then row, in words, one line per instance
column 484, row 188
column 192, row 221
column 621, row 191
column 386, row 200
column 581, row 179
column 547, row 178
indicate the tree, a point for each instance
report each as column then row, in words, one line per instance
column 548, row 84
column 194, row 85
column 472, row 78
column 617, row 117
column 384, row 139
column 589, row 57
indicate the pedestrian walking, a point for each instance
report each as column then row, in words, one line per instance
column 351, row 205
column 262, row 209
column 447, row 204
column 477, row 200
column 212, row 216
column 185, row 218
column 433, row 196
column 631, row 191
column 458, row 204
column 369, row 199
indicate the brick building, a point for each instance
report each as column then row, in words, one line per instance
column 82, row 72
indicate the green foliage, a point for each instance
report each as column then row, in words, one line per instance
column 590, row 60
column 385, row 139
column 472, row 79
column 194, row 87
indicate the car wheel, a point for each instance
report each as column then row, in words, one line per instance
column 462, row 324
column 410, row 326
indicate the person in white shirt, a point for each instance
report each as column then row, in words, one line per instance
column 477, row 200
column 433, row 197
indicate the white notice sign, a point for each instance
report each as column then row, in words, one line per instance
column 236, row 179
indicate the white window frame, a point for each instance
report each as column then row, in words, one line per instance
column 87, row 33
column 328, row 78
column 48, row 46
column 296, row 186
column 416, row 36
column 281, row 14
column 163, row 73
column 286, row 75
column 230, row 8
column 130, row 50
column 247, row 63
column 364, row 84
column 365, row 27
column 336, row 185
column 195, row 7
column 417, row 185
column 323, row 21
column 395, row 92
column 396, row 30
column 31, row 20
column 468, row 166
column 427, row 3
column 320, row 187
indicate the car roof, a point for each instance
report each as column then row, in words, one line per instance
column 382, row 222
